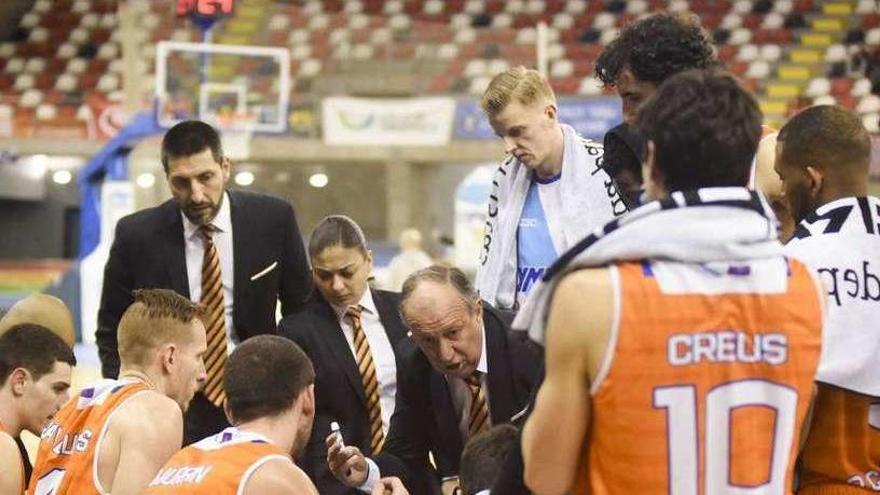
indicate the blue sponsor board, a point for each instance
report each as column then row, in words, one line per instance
column 590, row 117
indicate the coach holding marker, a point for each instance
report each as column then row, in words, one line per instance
column 235, row 252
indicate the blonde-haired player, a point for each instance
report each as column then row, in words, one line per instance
column 269, row 384
column 115, row 434
column 549, row 192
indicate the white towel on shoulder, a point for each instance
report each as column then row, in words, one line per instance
column 711, row 224
column 841, row 240
column 589, row 199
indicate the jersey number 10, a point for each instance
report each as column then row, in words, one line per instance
column 683, row 439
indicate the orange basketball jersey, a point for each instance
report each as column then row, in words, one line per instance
column 67, row 456
column 707, row 380
column 20, row 461
column 842, row 453
column 218, row 465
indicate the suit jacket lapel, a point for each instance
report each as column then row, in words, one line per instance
column 175, row 251
column 338, row 347
column 240, row 233
column 444, row 414
column 502, row 402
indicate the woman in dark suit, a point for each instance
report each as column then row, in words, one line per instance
column 351, row 332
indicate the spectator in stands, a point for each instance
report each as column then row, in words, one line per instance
column 410, row 259
column 237, row 252
column 465, row 371
column 35, row 368
column 549, row 192
column 649, row 51
column 483, row 457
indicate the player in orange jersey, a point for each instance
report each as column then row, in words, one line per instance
column 269, row 383
column 681, row 343
column 35, row 366
column 115, row 434
column 823, row 154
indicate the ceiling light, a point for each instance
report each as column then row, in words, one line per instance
column 318, row 180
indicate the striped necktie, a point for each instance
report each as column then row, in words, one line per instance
column 479, row 417
column 215, row 319
column 367, row 369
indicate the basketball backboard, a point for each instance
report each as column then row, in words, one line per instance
column 231, row 86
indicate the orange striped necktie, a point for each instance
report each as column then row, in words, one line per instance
column 367, row 370
column 215, row 319
column 479, row 416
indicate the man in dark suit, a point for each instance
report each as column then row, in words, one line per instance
column 465, row 371
column 341, row 265
column 235, row 252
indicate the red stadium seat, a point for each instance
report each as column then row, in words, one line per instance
column 870, row 21
column 566, row 86
column 803, row 6
column 841, row 86
column 726, row 52
column 847, row 101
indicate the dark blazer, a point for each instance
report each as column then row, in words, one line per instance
column 339, row 390
column 148, row 252
column 424, row 416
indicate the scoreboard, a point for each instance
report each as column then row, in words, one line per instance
column 205, row 8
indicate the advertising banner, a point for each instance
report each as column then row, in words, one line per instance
column 590, row 117
column 387, row 122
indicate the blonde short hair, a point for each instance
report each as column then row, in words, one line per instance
column 522, row 85
column 155, row 318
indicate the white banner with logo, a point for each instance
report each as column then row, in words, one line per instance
column 388, row 122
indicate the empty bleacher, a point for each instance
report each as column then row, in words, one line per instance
column 790, row 52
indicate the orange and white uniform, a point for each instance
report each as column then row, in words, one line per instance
column 841, row 241
column 218, row 465
column 707, row 379
column 20, row 461
column 67, row 459
column 842, row 453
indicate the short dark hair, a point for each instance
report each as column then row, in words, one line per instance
column 34, row 348
column 623, row 157
column 826, row 136
column 483, row 457
column 337, row 230
column 705, row 128
column 655, row 48
column 441, row 274
column 188, row 138
column 264, row 376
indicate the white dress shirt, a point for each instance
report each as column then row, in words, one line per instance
column 462, row 400
column 381, row 350
column 194, row 247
